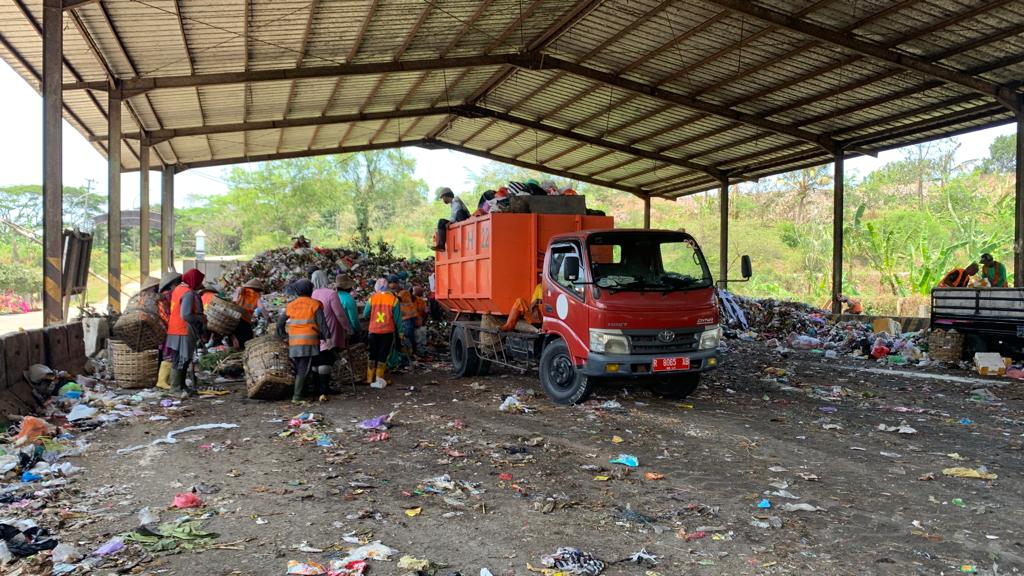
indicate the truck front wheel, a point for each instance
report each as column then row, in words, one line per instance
column 676, row 388
column 465, row 361
column 562, row 382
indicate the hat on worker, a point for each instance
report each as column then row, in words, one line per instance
column 393, row 278
column 344, row 283
column 167, row 279
column 444, row 191
column 149, row 282
column 210, row 287
column 254, row 284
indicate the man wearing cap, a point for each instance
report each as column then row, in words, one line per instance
column 459, row 213
column 993, row 271
column 250, row 298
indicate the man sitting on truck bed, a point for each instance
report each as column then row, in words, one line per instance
column 459, row 213
column 993, row 271
column 959, row 277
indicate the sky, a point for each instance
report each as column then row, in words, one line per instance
column 21, row 151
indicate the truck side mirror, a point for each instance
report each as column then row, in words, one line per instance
column 745, row 268
column 571, row 266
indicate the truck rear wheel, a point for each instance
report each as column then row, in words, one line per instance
column 676, row 388
column 465, row 361
column 562, row 382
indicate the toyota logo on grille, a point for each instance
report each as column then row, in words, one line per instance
column 666, row 336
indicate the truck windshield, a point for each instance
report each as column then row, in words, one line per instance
column 647, row 261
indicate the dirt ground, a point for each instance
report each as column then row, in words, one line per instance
column 882, row 503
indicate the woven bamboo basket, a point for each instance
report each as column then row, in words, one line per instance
column 133, row 369
column 269, row 374
column 147, row 302
column 353, row 369
column 945, row 346
column 222, row 316
column 140, row 331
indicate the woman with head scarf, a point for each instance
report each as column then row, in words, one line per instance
column 337, row 322
column 184, row 325
column 385, row 315
column 303, row 324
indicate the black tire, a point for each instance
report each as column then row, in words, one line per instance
column 465, row 361
column 676, row 387
column 562, row 382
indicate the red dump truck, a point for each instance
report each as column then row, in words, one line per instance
column 629, row 305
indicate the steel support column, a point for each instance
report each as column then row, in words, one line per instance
column 53, row 185
column 723, row 234
column 114, row 200
column 1018, row 229
column 167, row 220
column 837, row 233
column 144, row 210
column 647, row 212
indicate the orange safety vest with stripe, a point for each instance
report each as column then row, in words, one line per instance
column 956, row 278
column 408, row 304
column 176, row 325
column 301, row 324
column 421, row 311
column 249, row 300
column 382, row 313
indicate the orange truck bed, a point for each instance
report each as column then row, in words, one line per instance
column 491, row 260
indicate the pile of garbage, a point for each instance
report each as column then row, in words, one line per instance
column 787, row 325
column 276, row 268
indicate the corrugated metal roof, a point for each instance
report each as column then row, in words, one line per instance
column 652, row 96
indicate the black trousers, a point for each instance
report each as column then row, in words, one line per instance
column 442, row 232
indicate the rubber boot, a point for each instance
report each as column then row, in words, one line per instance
column 370, row 370
column 177, row 381
column 300, row 386
column 513, row 318
column 381, row 368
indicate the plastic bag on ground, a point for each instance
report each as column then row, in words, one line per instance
column 31, row 429
column 574, row 561
column 372, row 551
column 187, row 500
column 801, row 342
column 81, row 412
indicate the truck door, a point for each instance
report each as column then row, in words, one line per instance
column 565, row 310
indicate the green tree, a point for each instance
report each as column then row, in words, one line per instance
column 1002, row 155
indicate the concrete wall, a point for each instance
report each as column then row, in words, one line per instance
column 59, row 347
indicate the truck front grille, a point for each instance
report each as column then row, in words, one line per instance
column 649, row 343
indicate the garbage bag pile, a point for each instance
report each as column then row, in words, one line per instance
column 794, row 325
column 277, row 267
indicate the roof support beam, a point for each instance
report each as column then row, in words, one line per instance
column 298, row 154
column 531, row 166
column 1004, row 95
column 692, row 103
column 477, row 111
column 71, row 4
column 53, row 184
column 159, row 136
column 136, row 86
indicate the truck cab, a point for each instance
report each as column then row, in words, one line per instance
column 629, row 305
column 626, row 305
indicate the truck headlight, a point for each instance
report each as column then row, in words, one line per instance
column 710, row 338
column 608, row 342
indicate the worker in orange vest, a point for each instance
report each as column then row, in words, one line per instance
column 959, row 277
column 530, row 312
column 250, row 299
column 852, row 306
column 407, row 306
column 168, row 282
column 385, row 315
column 185, row 324
column 304, row 325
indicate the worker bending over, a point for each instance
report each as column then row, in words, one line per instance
column 304, row 324
column 852, row 306
column 959, row 277
column 385, row 316
column 250, row 299
column 325, row 292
